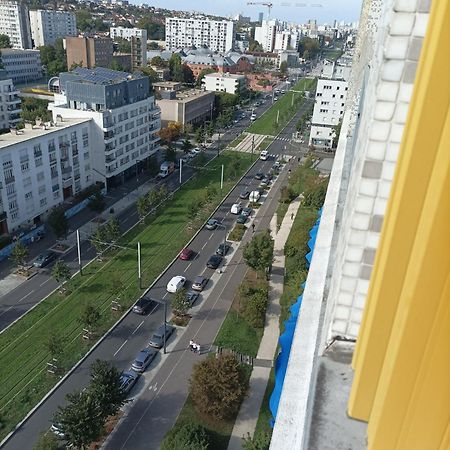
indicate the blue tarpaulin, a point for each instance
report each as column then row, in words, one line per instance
column 286, row 338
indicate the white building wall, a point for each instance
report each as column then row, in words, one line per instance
column 282, row 40
column 232, row 84
column 216, row 35
column 47, row 26
column 9, row 104
column 265, row 34
column 15, row 23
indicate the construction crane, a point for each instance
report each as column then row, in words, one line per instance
column 268, row 4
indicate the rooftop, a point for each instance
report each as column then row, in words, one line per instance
column 187, row 95
column 224, row 75
column 101, row 75
column 20, row 136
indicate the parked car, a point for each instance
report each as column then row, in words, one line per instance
column 128, row 380
column 175, row 284
column 144, row 305
column 143, row 359
column 199, row 283
column 223, row 249
column 247, row 212
column 44, row 259
column 157, row 339
column 56, row 430
column 241, row 219
column 191, row 297
column 254, row 196
column 264, row 182
column 186, row 254
column 244, row 195
column 264, row 155
column 236, row 208
column 214, row 262
column 196, row 150
column 212, row 224
column 259, row 176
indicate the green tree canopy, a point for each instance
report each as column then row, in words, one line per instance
column 19, row 254
column 188, row 436
column 58, row 222
column 158, row 62
column 5, row 41
column 90, row 316
column 258, row 253
column 61, row 271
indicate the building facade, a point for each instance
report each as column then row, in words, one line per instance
column 22, row 66
column 47, row 26
column 89, row 52
column 126, row 118
column 225, row 82
column 217, row 35
column 10, row 108
column 15, row 23
column 138, row 39
column 265, row 34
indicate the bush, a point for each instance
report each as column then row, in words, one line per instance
column 287, row 194
column 97, row 202
column 237, row 232
column 254, row 309
column 218, row 386
column 189, row 436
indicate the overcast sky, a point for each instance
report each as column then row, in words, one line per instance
column 347, row 10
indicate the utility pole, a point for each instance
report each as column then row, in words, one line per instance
column 181, row 168
column 218, row 145
column 165, row 325
column 278, row 116
column 292, row 99
column 221, row 179
column 253, row 145
column 79, row 253
column 139, row 264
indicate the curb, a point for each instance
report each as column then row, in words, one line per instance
column 106, row 334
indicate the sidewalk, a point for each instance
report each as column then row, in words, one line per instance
column 249, row 412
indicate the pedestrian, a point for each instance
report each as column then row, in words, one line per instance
column 191, row 345
column 253, row 227
column 292, row 216
column 197, row 348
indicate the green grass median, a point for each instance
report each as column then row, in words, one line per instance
column 285, row 108
column 23, row 350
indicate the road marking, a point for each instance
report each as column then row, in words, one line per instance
column 46, row 281
column 155, row 387
column 25, row 296
column 210, row 236
column 137, row 328
column 120, row 348
column 204, row 245
column 189, row 265
column 165, row 295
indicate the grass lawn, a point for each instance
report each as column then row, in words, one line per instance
column 265, row 143
column 267, row 123
column 332, row 54
column 162, row 237
column 237, row 141
column 262, row 425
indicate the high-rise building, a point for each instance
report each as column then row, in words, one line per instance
column 124, row 112
column 22, row 66
column 371, row 343
column 89, row 52
column 260, row 17
column 138, row 39
column 217, row 35
column 9, row 102
column 48, row 25
column 265, row 34
column 15, row 23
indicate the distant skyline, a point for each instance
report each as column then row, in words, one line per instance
column 331, row 9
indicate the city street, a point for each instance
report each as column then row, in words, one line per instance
column 161, row 392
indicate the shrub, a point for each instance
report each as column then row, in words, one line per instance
column 287, row 194
column 189, row 436
column 237, row 232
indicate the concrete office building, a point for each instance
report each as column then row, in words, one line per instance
column 217, row 35
column 90, row 52
column 368, row 367
column 15, row 23
column 41, row 167
column 186, row 107
column 47, row 26
column 126, row 118
column 224, row 82
column 9, row 102
column 22, row 66
column 138, row 39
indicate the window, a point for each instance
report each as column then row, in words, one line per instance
column 37, row 151
column 24, row 167
column 27, row 181
column 42, row 202
column 40, row 176
column 38, row 162
column 28, row 196
column 42, row 189
column 10, row 189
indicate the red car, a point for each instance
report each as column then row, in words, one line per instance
column 186, row 254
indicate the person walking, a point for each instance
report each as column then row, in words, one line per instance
column 292, row 216
column 253, row 227
column 191, row 345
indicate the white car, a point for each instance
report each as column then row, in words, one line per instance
column 264, row 155
column 253, row 117
column 196, row 150
column 236, row 208
column 175, row 284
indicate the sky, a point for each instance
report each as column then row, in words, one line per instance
column 347, row 10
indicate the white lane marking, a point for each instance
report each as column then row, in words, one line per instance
column 25, row 296
column 210, row 236
column 120, row 348
column 154, row 388
column 165, row 295
column 204, row 245
column 137, row 328
column 46, row 281
column 189, row 265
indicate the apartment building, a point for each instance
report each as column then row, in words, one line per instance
column 22, row 66
column 9, row 102
column 15, row 23
column 225, row 82
column 265, row 34
column 89, row 52
column 48, row 25
column 138, row 39
column 217, row 35
column 42, row 165
column 124, row 112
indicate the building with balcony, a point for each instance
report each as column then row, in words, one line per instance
column 225, row 82
column 89, row 52
column 22, row 66
column 15, row 23
column 138, row 39
column 47, row 26
column 124, row 112
column 10, row 108
column 368, row 358
column 42, row 166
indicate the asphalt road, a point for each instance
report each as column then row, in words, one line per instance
column 160, row 393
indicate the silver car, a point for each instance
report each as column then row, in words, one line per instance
column 143, row 359
column 157, row 340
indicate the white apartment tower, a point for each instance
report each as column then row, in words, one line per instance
column 265, row 34
column 138, row 38
column 217, row 35
column 15, row 23
column 9, row 102
column 48, row 25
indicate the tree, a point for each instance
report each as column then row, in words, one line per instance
column 315, row 195
column 202, row 74
column 5, row 41
column 116, row 285
column 309, row 47
column 112, row 231
column 90, row 316
column 48, row 441
column 152, row 165
column 123, row 45
column 258, row 253
column 180, row 304
column 200, row 134
column 115, row 65
column 81, row 421
column 158, row 62
column 176, row 67
column 105, row 388
column 261, row 441
column 32, row 108
column 283, row 68
column 152, row 46
column 186, row 146
column 98, row 240
column 218, row 386
column 97, row 202
column 19, row 254
column 142, row 206
column 188, row 436
column 54, row 344
column 154, row 29
column 187, row 74
column 170, row 154
column 255, row 46
column 61, row 271
column 150, row 73
column 336, row 133
column 171, row 132
column 57, row 221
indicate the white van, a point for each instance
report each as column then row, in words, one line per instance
column 254, row 196
column 264, row 155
